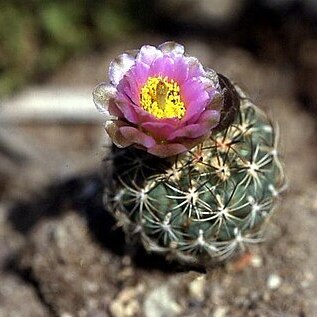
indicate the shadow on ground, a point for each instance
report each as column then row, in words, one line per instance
column 83, row 194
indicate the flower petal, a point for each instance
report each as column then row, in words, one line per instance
column 213, row 79
column 102, row 94
column 190, row 131
column 130, row 124
column 181, row 70
column 127, row 110
column 133, row 81
column 195, row 67
column 140, row 73
column 117, row 138
column 172, row 47
column 209, row 118
column 195, row 98
column 136, row 136
column 119, row 66
column 148, row 54
column 216, row 102
column 161, row 130
column 205, row 123
column 162, row 66
column 114, row 111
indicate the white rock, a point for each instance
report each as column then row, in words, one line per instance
column 256, row 261
column 274, row 281
column 197, row 288
column 220, row 312
column 161, row 302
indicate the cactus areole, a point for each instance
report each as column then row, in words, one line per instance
column 194, row 172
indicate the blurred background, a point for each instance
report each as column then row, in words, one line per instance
column 52, row 54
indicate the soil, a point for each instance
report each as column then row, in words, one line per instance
column 61, row 253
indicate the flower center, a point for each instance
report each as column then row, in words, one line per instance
column 161, row 98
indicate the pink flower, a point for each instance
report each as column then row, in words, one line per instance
column 160, row 100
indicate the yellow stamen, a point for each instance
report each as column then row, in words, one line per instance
column 161, row 98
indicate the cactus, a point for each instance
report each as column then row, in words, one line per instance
column 202, row 204
column 207, row 203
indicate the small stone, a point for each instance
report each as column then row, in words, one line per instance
column 220, row 312
column 256, row 261
column 274, row 282
column 197, row 287
column 161, row 302
column 126, row 303
column 125, row 273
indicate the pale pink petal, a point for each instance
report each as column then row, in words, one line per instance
column 193, row 93
column 114, row 110
column 102, row 95
column 132, row 94
column 139, row 73
column 194, row 97
column 180, row 70
column 119, row 67
column 172, row 47
column 159, row 129
column 136, row 136
column 209, row 118
column 195, row 67
column 127, row 90
column 148, row 54
column 211, row 84
column 215, row 104
column 117, row 138
column 127, row 109
column 143, row 116
column 190, row 131
column 162, row 66
column 212, row 77
column 133, row 81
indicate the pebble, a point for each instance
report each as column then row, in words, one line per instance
column 256, row 261
column 274, row 281
column 220, row 312
column 197, row 288
column 160, row 302
column 126, row 303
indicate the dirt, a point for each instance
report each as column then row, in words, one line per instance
column 62, row 255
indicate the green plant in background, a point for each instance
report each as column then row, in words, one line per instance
column 38, row 36
column 195, row 171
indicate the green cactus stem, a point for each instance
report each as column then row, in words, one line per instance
column 204, row 205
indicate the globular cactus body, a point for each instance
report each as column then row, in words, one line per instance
column 203, row 205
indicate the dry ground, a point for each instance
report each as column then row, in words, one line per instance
column 60, row 254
